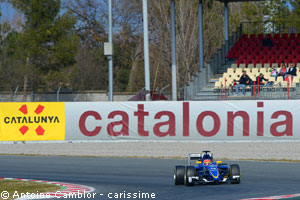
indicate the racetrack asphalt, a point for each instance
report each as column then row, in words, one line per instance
column 116, row 175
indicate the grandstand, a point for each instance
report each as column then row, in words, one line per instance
column 248, row 52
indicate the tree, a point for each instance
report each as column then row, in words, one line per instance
column 187, row 35
column 295, row 9
column 92, row 26
column 9, row 61
column 63, row 44
column 48, row 42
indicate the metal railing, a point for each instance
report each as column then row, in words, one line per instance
column 253, row 92
column 58, row 93
column 270, row 27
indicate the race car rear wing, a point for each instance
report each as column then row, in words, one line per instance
column 194, row 156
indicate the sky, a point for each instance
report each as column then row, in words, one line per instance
column 289, row 5
column 7, row 11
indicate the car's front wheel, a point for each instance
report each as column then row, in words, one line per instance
column 179, row 173
column 235, row 174
column 189, row 172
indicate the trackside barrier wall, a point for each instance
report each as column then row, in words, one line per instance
column 32, row 121
column 201, row 121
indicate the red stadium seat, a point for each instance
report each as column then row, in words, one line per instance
column 252, row 36
column 246, row 62
column 261, row 36
column 285, row 36
column 291, row 57
column 295, row 61
column 293, row 45
column 249, row 49
column 283, row 57
column 270, row 53
column 245, row 36
column 255, row 52
column 266, row 49
column 292, row 36
column 277, row 36
column 260, row 57
column 250, row 57
column 269, row 36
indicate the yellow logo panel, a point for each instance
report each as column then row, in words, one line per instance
column 32, row 121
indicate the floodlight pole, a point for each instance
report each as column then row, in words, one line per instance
column 200, row 19
column 174, row 69
column 226, row 26
column 110, row 57
column 146, row 50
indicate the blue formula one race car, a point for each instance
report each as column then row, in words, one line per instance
column 205, row 170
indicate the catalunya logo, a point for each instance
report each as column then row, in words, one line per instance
column 34, row 118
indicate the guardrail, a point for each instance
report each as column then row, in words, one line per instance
column 253, row 92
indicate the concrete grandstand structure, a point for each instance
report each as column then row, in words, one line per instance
column 245, row 49
column 248, row 54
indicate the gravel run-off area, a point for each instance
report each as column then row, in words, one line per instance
column 223, row 150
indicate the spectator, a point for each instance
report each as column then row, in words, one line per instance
column 292, row 72
column 260, row 79
column 244, row 80
column 273, row 71
column 282, row 71
column 263, row 81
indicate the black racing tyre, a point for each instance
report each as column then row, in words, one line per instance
column 179, row 173
column 189, row 171
column 235, row 171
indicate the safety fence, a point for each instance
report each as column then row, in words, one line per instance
column 161, row 120
column 260, row 92
column 62, row 96
column 278, row 91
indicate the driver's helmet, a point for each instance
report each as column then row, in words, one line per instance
column 207, row 162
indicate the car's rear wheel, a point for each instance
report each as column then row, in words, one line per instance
column 179, row 173
column 235, row 174
column 189, row 172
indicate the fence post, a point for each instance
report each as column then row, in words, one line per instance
column 192, row 85
column 288, row 89
column 221, row 90
column 254, row 93
column 57, row 94
column 291, row 86
column 184, row 92
column 187, row 92
column 225, row 93
column 258, row 87
column 15, row 94
column 32, row 95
